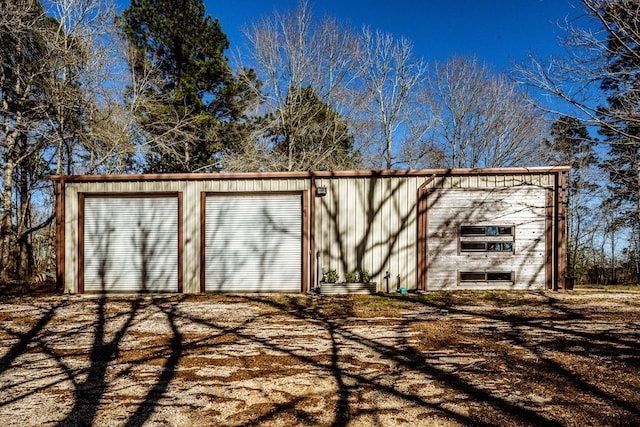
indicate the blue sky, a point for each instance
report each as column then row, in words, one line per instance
column 497, row 31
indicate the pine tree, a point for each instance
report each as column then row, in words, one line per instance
column 621, row 114
column 571, row 145
column 311, row 135
column 184, row 90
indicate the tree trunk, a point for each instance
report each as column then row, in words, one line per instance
column 25, row 238
column 637, row 228
column 25, row 256
column 613, row 256
column 5, row 223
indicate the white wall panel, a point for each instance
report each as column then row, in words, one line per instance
column 369, row 223
column 521, row 207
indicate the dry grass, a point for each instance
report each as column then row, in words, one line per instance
column 442, row 358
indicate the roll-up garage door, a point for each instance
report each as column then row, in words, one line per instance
column 253, row 243
column 131, row 244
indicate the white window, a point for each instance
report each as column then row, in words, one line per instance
column 490, row 238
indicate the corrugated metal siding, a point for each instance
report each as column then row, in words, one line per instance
column 491, row 181
column 71, row 239
column 131, row 244
column 522, row 207
column 191, row 239
column 369, row 223
column 253, row 243
column 363, row 220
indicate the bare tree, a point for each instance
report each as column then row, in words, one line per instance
column 371, row 82
column 89, row 127
column 299, row 59
column 55, row 109
column 23, row 83
column 482, row 119
column 390, row 78
column 597, row 84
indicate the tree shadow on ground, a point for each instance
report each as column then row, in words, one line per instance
column 565, row 332
column 182, row 340
column 406, row 358
column 105, row 353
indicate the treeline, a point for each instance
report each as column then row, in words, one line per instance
column 86, row 90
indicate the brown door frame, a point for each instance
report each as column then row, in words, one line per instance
column 81, row 198
column 304, row 194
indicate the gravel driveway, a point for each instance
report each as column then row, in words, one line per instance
column 467, row 358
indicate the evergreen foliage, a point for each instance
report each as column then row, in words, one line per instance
column 188, row 93
column 311, row 135
column 620, row 117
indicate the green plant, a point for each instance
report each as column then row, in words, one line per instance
column 351, row 277
column 330, row 276
column 364, row 276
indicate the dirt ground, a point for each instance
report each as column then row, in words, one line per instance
column 441, row 359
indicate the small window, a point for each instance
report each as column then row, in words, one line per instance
column 499, row 277
column 472, row 277
column 494, row 276
column 473, row 246
column 490, row 230
column 505, row 231
column 472, row 231
column 493, row 231
column 500, row 246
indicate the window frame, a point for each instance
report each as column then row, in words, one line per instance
column 486, row 239
column 500, row 246
column 485, row 276
column 486, row 230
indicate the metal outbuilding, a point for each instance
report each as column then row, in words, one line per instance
column 278, row 232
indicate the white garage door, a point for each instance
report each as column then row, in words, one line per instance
column 253, row 243
column 131, row 244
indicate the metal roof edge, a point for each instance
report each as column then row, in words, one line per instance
column 311, row 174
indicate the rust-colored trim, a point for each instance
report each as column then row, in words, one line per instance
column 80, row 243
column 423, row 248
column 320, row 174
column 549, row 240
column 252, row 193
column 423, row 241
column 183, row 177
column 108, row 194
column 305, row 241
column 60, row 234
column 82, row 196
column 180, row 244
column 313, row 261
column 561, row 239
column 444, row 172
column 203, row 240
column 428, row 181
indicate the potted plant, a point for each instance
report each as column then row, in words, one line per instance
column 330, row 276
column 355, row 282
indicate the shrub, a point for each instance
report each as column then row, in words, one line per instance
column 330, row 276
column 351, row 277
